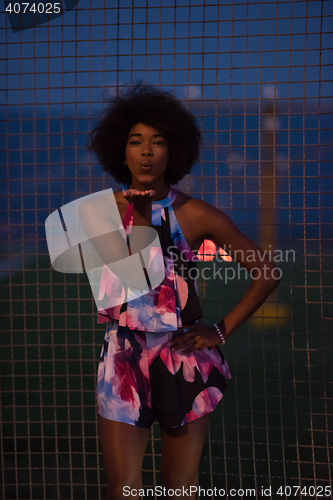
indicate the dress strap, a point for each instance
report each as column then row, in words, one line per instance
column 172, row 195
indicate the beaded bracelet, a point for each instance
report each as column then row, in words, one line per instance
column 220, row 334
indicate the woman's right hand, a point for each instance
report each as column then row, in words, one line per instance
column 139, row 198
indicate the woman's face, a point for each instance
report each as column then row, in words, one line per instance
column 146, row 155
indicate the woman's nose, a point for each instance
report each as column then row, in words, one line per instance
column 147, row 152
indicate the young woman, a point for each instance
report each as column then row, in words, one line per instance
column 159, row 360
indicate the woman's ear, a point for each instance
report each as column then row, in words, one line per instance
column 124, row 161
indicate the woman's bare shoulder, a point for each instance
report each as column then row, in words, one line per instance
column 202, row 219
column 194, row 206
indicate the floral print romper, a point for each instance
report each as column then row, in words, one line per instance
column 139, row 377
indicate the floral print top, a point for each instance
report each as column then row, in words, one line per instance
column 172, row 303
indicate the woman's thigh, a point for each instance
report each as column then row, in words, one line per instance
column 123, row 447
column 181, row 452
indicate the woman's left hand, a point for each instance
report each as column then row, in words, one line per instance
column 198, row 336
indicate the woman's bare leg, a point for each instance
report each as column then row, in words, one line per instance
column 181, row 452
column 123, row 447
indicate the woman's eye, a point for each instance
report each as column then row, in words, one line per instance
column 134, row 143
column 159, row 143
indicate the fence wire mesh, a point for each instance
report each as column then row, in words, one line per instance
column 257, row 75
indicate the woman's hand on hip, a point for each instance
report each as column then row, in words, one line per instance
column 194, row 337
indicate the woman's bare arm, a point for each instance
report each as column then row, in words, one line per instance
column 220, row 229
column 214, row 225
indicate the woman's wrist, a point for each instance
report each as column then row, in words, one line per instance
column 220, row 330
column 142, row 205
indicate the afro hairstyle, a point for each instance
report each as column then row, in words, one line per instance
column 152, row 107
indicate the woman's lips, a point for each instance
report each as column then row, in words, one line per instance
column 146, row 166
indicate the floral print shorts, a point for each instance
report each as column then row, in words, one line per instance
column 140, row 379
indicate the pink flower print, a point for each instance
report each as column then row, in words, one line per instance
column 205, row 402
column 118, row 394
column 155, row 256
column 166, row 300
column 110, row 284
column 182, row 291
column 172, row 360
column 215, row 356
column 122, row 318
column 202, row 359
column 206, row 360
column 114, row 409
column 153, row 311
column 102, row 316
column 169, row 269
column 189, row 368
column 128, row 217
column 123, row 377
